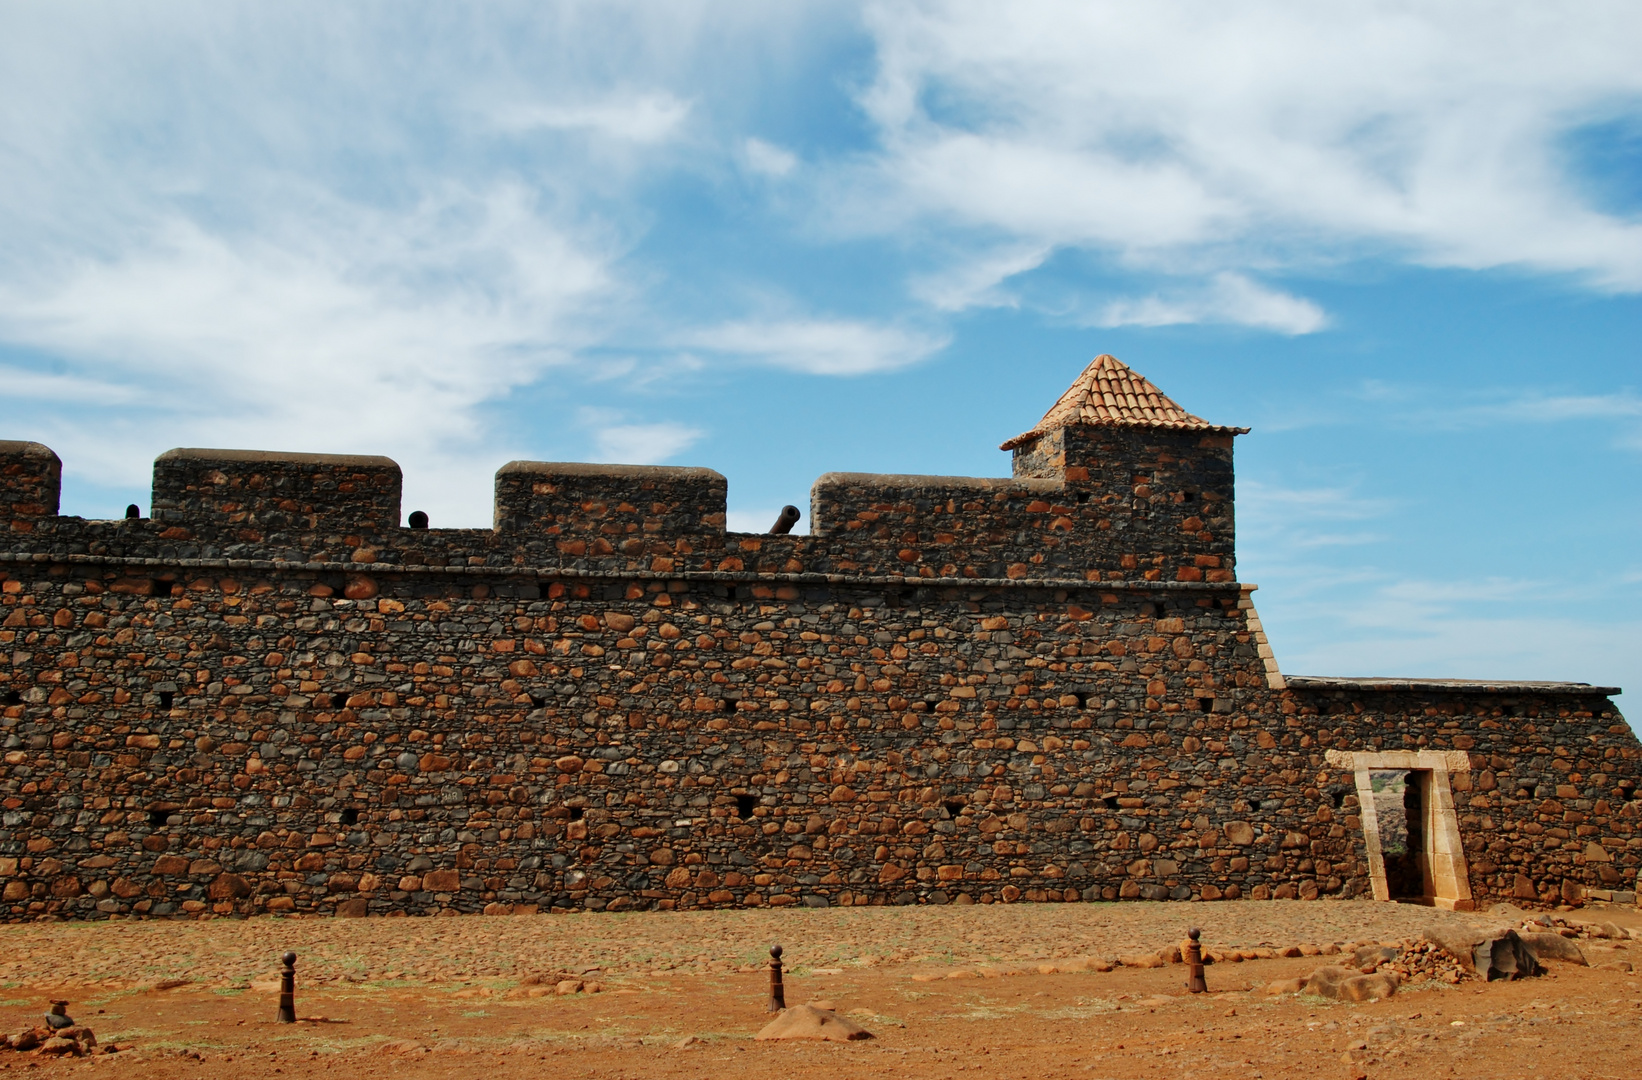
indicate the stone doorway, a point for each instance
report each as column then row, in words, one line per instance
column 1399, row 812
column 1410, row 831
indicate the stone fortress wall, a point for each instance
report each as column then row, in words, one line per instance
column 269, row 695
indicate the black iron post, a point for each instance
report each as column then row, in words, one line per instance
column 287, row 990
column 778, row 992
column 1193, row 955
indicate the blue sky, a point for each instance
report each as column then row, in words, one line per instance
column 1402, row 242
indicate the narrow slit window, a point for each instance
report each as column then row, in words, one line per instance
column 166, row 698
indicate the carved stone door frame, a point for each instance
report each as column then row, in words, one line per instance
column 1445, row 856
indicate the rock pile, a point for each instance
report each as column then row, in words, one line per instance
column 75, row 1040
column 1416, row 961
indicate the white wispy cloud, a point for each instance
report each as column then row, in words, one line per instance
column 640, row 118
column 1228, row 298
column 1190, row 139
column 767, row 158
column 974, row 279
column 1534, row 408
column 344, row 330
column 1495, row 628
column 643, row 444
column 820, row 346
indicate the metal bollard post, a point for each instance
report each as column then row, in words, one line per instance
column 287, row 990
column 1193, row 955
column 778, row 992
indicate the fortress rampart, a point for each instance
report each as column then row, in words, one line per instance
column 270, row 695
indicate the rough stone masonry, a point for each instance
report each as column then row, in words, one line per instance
column 270, row 696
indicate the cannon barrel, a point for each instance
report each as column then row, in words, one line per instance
column 789, row 517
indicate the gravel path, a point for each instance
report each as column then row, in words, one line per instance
column 225, row 951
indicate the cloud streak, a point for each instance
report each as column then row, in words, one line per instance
column 820, row 346
column 1192, row 140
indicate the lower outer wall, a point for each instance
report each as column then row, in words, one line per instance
column 556, row 745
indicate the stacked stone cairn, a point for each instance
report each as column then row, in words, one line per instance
column 54, row 1037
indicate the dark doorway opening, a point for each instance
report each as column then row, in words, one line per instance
column 1400, row 805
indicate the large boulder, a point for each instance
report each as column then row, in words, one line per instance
column 1554, row 947
column 1490, row 954
column 1348, row 984
column 1505, row 957
column 808, row 1022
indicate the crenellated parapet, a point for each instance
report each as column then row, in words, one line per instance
column 31, row 478
column 568, row 509
column 1117, row 483
column 254, row 497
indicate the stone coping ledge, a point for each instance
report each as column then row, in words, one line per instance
column 625, row 575
column 194, row 453
column 1453, row 686
column 909, row 480
column 584, row 468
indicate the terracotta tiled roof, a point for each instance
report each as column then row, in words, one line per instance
column 1108, row 392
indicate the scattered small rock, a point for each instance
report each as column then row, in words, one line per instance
column 154, row 984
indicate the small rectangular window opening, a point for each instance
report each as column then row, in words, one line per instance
column 954, row 807
column 157, row 818
column 350, row 816
column 1110, row 801
column 166, row 698
column 1205, row 704
column 11, row 697
column 162, row 588
column 744, row 805
column 1083, row 699
column 576, row 813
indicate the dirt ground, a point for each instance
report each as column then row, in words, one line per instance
column 451, row 997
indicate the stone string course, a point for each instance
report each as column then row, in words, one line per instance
column 271, row 697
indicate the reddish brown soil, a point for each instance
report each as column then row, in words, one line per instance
column 1577, row 1022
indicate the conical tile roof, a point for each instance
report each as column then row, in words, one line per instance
column 1108, row 392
